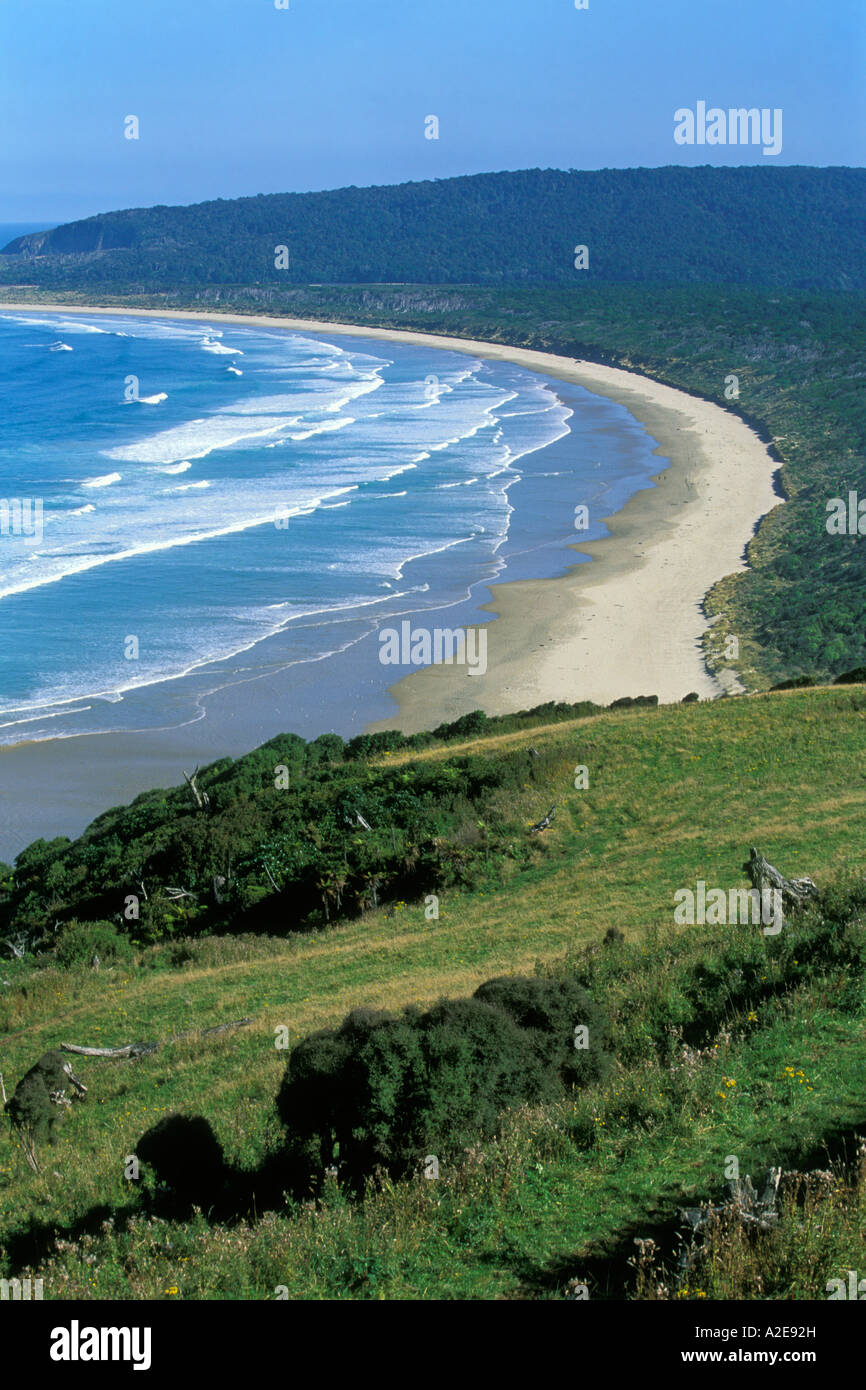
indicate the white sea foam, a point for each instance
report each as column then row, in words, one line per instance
column 324, row 427
column 105, row 481
column 395, row 472
column 153, row 400
column 173, row 467
column 61, row 322
column 210, row 345
column 81, row 564
column 199, row 438
column 60, row 347
column 246, row 495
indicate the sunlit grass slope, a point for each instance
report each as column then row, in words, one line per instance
column 675, row 795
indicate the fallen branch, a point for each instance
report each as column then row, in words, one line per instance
column 143, row 1049
column 137, row 1049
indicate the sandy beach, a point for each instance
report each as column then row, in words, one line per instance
column 629, row 623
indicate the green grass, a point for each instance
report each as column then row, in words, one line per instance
column 675, row 794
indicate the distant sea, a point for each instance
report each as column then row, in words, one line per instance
column 217, row 499
column 10, row 230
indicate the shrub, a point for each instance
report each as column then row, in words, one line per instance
column 630, row 701
column 475, row 722
column 31, row 1110
column 383, row 1090
column 78, row 942
column 549, row 1011
column 478, row 1062
column 796, row 683
column 311, row 1096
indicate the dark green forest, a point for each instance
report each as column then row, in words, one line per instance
column 793, row 226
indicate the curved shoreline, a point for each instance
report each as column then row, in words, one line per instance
column 630, row 623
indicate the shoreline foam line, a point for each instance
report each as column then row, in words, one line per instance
column 630, row 623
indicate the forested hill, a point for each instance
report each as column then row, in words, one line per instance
column 792, row 227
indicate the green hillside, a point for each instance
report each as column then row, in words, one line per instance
column 793, row 226
column 722, row 1041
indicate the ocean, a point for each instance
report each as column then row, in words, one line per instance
column 186, row 504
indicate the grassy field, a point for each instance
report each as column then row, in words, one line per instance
column 675, row 795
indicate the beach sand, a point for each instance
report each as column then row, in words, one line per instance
column 629, row 623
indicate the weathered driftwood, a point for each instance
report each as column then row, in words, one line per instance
column 143, row 1049
column 545, row 821
column 137, row 1049
column 795, row 891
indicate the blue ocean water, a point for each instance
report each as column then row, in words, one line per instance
column 10, row 230
column 181, row 501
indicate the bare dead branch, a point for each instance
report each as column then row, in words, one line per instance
column 144, row 1049
column 202, row 800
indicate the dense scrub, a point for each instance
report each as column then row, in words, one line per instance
column 292, row 836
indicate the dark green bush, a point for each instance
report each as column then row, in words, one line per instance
column 478, row 1062
column 634, row 701
column 384, row 1090
column 549, row 1011
column 796, row 683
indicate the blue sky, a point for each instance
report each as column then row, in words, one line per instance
column 237, row 97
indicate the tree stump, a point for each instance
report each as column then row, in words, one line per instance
column 795, row 891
